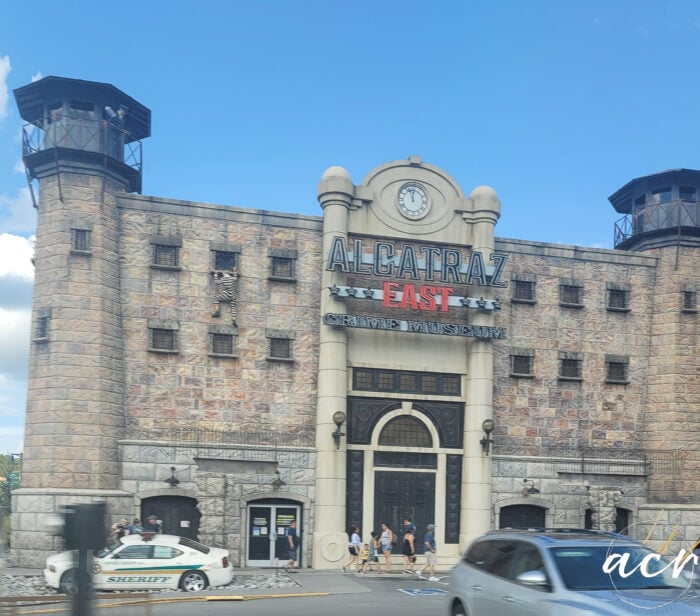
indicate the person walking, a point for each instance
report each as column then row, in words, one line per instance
column 409, row 551
column 386, row 539
column 354, row 547
column 293, row 546
column 374, row 548
column 430, row 547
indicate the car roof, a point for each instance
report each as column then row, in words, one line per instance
column 151, row 537
column 559, row 536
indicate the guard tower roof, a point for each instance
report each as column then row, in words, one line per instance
column 33, row 98
column 622, row 199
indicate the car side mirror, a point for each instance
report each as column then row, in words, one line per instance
column 533, row 578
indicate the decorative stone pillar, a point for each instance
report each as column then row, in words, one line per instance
column 335, row 193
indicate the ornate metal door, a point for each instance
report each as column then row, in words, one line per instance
column 399, row 495
column 179, row 514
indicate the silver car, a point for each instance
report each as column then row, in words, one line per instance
column 569, row 573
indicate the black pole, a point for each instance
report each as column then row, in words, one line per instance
column 82, row 598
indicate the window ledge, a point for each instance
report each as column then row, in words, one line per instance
column 615, row 382
column 516, row 375
column 689, row 310
column 224, row 355
column 165, row 351
column 518, row 300
column 281, row 279
column 43, row 340
column 287, row 360
column 567, row 305
column 83, row 253
column 172, row 268
column 615, row 309
column 570, row 378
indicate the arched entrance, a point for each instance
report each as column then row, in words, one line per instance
column 521, row 516
column 179, row 514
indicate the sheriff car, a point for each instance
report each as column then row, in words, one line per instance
column 146, row 561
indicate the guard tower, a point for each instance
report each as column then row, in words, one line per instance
column 662, row 219
column 83, row 153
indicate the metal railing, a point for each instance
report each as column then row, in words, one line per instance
column 656, row 217
column 73, row 132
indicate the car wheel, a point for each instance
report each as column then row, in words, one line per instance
column 458, row 609
column 69, row 582
column 193, row 580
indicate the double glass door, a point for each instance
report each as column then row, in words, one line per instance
column 267, row 534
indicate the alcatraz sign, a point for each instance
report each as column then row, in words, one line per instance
column 422, row 262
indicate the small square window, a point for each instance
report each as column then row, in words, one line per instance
column 521, row 365
column 661, row 195
column 616, row 372
column 163, row 340
column 222, row 344
column 618, row 299
column 429, row 384
column 570, row 295
column 225, row 260
column 690, row 301
column 687, row 193
column 282, row 267
column 385, row 381
column 166, row 256
column 570, row 369
column 280, row 348
column 524, row 290
column 363, row 379
column 80, row 240
column 451, row 385
column 42, row 328
column 408, row 382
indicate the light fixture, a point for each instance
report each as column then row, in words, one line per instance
column 486, row 441
column 338, row 420
column 278, row 482
column 529, row 487
column 172, row 480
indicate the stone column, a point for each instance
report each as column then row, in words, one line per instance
column 476, row 473
column 603, row 502
column 335, row 193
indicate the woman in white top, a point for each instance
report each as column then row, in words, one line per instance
column 354, row 548
column 386, row 540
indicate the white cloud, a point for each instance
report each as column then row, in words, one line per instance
column 16, row 256
column 5, row 69
column 17, row 214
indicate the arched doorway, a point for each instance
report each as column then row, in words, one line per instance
column 179, row 514
column 410, row 492
column 522, row 516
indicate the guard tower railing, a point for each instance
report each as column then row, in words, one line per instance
column 657, row 217
column 83, row 135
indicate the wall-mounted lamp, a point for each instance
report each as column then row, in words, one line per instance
column 338, row 420
column 172, row 480
column 278, row 482
column 529, row 487
column 486, row 440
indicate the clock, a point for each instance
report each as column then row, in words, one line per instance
column 413, row 201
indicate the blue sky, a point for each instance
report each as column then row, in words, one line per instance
column 555, row 104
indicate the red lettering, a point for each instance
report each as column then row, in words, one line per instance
column 409, row 296
column 427, row 294
column 444, row 297
column 389, row 293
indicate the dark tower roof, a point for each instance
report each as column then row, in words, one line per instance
column 622, row 199
column 33, row 98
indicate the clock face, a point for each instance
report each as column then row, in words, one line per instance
column 413, row 200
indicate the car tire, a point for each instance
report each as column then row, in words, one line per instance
column 193, row 580
column 458, row 609
column 69, row 582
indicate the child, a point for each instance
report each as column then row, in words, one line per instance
column 364, row 558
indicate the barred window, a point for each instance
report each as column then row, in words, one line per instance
column 225, row 260
column 524, row 290
column 690, row 301
column 42, row 328
column 280, row 348
column 616, row 372
column 363, row 378
column 385, row 381
column 451, row 385
column 405, row 432
column 570, row 368
column 222, row 344
column 521, row 365
column 80, row 240
column 618, row 299
column 281, row 267
column 166, row 256
column 570, row 295
column 163, row 339
column 406, row 381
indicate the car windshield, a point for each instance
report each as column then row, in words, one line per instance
column 582, row 568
